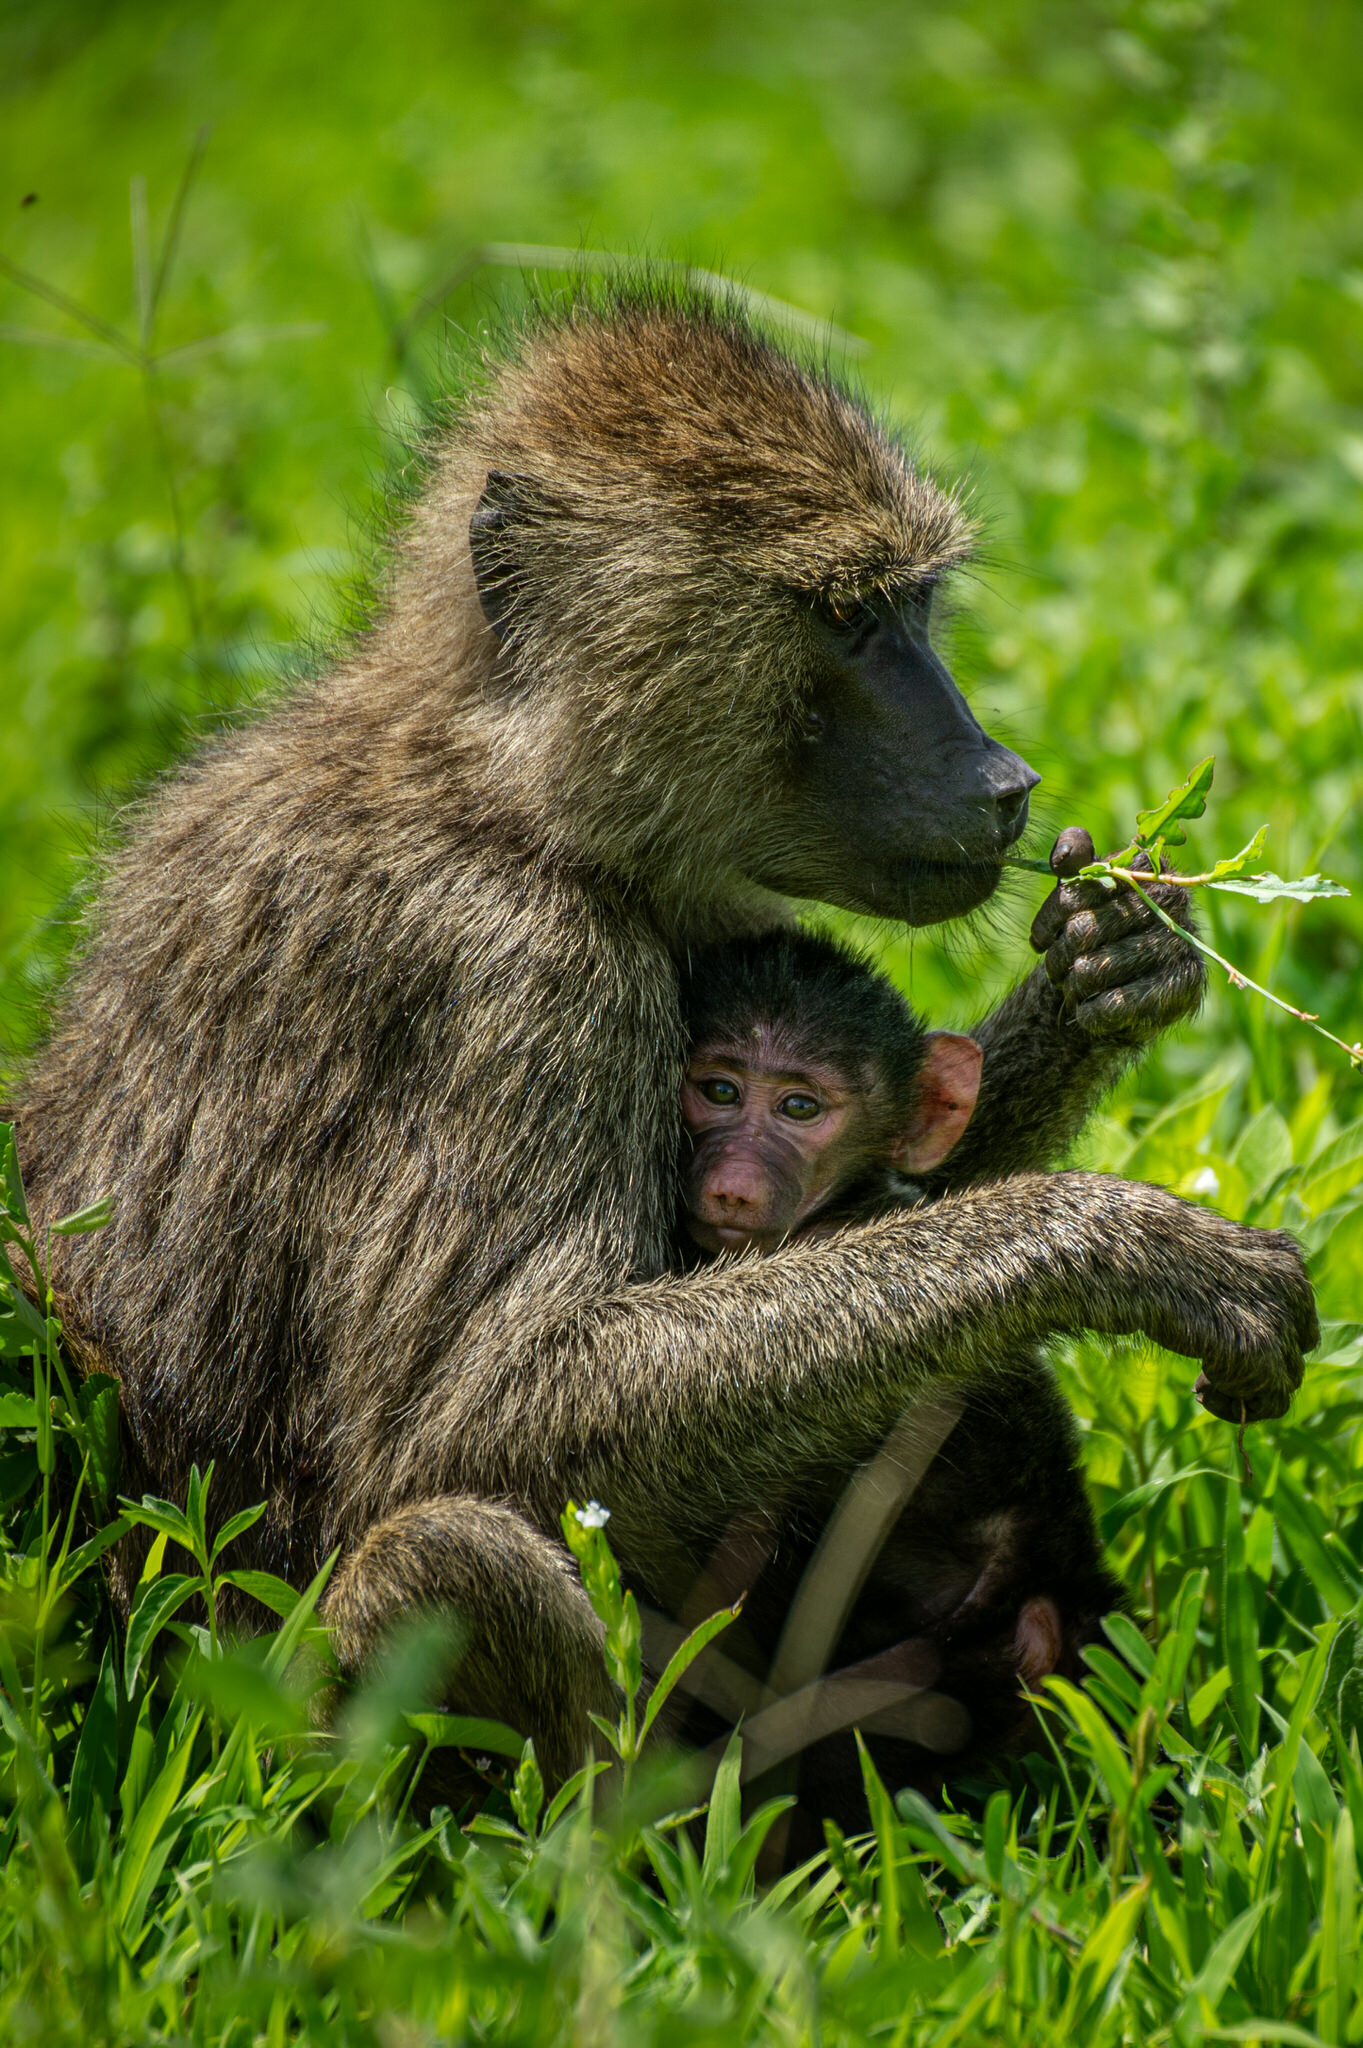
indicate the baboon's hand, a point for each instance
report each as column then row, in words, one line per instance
column 1235, row 1297
column 1122, row 975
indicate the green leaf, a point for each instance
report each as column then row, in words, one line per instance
column 150, row 1838
column 527, row 1790
column 84, row 1556
column 235, row 1526
column 1335, row 1171
column 93, row 1217
column 94, row 1774
column 156, row 1601
column 1101, row 1960
column 274, row 1593
column 682, row 1658
column 467, row 1731
column 1343, row 1688
column 1188, row 800
column 161, row 1515
column 1271, row 888
column 1224, row 1960
column 1264, row 1148
column 1238, row 862
column 724, row 1820
column 22, row 1329
column 18, row 1411
column 1139, row 1497
column 11, row 1182
column 1239, row 1624
column 98, row 1399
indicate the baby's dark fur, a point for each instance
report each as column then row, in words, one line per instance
column 1001, row 1516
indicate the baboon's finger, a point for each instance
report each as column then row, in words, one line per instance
column 1102, row 925
column 1059, row 907
column 1148, row 956
column 1264, row 1407
column 1143, row 1007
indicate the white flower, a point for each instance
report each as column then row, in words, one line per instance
column 593, row 1516
column 1206, row 1182
column 482, row 1763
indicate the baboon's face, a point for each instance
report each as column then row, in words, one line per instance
column 900, row 803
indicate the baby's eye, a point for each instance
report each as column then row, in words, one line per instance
column 724, row 1094
column 799, row 1108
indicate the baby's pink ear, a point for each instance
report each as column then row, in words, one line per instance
column 948, row 1088
column 1039, row 1641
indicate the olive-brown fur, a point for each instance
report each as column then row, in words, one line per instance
column 375, row 1037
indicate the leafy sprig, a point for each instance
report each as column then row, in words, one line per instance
column 1161, row 827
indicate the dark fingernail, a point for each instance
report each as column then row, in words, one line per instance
column 1072, row 850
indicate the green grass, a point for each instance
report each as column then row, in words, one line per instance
column 1107, row 259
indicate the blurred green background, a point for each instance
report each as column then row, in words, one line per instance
column 1104, row 259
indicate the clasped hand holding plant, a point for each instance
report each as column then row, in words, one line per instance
column 1140, row 865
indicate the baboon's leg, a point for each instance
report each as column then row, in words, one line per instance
column 531, row 1645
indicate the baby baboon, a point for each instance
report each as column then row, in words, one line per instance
column 812, row 1093
column 376, row 1037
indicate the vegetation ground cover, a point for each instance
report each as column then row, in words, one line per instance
column 1108, row 260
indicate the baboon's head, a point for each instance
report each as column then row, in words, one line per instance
column 711, row 574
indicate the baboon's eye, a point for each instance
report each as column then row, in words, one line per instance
column 724, row 1094
column 846, row 613
column 800, row 1108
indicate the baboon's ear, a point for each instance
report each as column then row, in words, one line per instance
column 492, row 531
column 948, row 1089
column 1039, row 1641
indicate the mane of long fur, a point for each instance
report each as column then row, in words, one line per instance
column 687, row 489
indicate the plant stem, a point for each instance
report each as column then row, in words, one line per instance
column 1238, row 980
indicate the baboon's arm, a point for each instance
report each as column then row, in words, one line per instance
column 1112, row 978
column 726, row 1378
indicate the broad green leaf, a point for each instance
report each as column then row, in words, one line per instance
column 467, row 1731
column 1335, row 1171
column 274, row 1593
column 1104, row 1748
column 1239, row 1623
column 571, row 1787
column 1207, row 1696
column 18, row 1411
column 84, row 1556
column 1264, row 1148
column 1271, row 888
column 94, row 1774
column 1102, row 1955
column 1187, row 800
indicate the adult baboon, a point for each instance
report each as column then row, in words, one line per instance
column 376, row 1035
